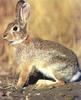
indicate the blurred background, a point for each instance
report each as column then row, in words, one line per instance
column 57, row 20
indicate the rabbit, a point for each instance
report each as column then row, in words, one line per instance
column 52, row 59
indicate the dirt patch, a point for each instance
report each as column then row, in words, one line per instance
column 71, row 91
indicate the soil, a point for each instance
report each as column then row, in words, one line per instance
column 71, row 91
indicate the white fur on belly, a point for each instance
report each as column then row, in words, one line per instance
column 47, row 72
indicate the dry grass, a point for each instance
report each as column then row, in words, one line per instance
column 58, row 20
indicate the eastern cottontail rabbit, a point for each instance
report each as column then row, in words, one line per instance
column 51, row 59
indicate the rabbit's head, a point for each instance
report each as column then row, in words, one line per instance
column 16, row 30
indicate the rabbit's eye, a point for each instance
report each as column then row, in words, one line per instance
column 15, row 28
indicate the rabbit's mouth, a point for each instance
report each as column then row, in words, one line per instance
column 17, row 41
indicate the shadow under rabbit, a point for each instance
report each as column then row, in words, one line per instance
column 38, row 75
column 35, row 77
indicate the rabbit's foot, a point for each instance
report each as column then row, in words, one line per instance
column 43, row 84
column 19, row 86
column 48, row 84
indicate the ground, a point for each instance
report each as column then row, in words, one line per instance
column 70, row 91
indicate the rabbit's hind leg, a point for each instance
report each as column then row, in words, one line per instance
column 47, row 84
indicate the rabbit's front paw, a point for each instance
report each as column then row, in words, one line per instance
column 18, row 87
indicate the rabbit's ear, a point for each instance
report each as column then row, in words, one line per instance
column 22, row 11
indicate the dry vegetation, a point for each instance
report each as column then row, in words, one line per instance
column 58, row 20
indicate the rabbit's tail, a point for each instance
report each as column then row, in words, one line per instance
column 76, row 77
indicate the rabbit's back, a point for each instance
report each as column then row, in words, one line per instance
column 53, row 47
